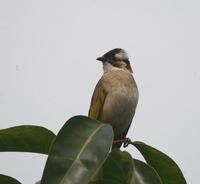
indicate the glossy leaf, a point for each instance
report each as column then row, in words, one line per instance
column 26, row 138
column 8, row 180
column 166, row 168
column 117, row 169
column 79, row 150
column 144, row 174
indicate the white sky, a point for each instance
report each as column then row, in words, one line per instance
column 48, row 71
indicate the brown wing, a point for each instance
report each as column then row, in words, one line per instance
column 97, row 102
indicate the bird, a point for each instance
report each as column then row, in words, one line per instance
column 115, row 96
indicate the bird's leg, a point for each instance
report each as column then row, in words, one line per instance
column 126, row 141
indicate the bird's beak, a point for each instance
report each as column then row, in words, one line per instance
column 100, row 59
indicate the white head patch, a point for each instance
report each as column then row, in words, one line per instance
column 122, row 55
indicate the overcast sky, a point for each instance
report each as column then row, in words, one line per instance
column 48, row 71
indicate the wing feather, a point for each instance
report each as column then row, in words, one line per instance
column 97, row 102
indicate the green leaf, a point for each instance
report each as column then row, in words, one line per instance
column 144, row 174
column 8, row 180
column 79, row 150
column 117, row 169
column 26, row 138
column 166, row 168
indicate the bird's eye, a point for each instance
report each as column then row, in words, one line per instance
column 126, row 61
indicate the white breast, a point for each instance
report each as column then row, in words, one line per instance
column 120, row 103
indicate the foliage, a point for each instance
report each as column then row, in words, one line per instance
column 80, row 153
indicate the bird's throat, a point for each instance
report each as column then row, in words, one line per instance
column 107, row 67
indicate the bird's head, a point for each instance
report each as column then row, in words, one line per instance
column 116, row 58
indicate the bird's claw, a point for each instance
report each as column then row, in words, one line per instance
column 126, row 142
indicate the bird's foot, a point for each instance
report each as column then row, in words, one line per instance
column 126, row 142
